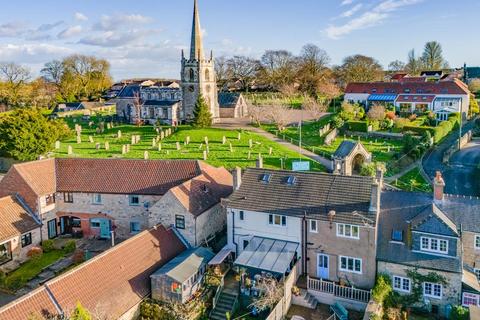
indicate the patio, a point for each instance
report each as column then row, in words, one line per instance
column 322, row 312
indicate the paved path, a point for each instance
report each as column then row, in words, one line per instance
column 459, row 173
column 403, row 172
column 242, row 124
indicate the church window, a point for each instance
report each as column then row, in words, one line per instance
column 207, row 75
column 191, row 88
column 192, row 75
column 207, row 88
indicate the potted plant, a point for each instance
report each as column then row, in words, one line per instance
column 295, row 291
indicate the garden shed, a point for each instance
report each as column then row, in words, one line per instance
column 180, row 278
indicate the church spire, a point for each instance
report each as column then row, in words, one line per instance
column 196, row 47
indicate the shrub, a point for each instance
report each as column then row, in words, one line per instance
column 2, row 278
column 459, row 313
column 358, row 126
column 47, row 245
column 390, row 115
column 35, row 253
column 80, row 313
column 401, row 122
column 337, row 122
column 70, row 246
column 376, row 112
column 412, row 117
column 382, row 288
column 150, row 310
column 78, row 257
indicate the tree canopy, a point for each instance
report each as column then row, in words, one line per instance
column 25, row 134
column 359, row 68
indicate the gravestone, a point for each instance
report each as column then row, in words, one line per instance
column 79, row 139
column 124, row 149
column 57, row 145
column 90, row 139
column 107, row 145
column 231, row 148
column 145, row 155
column 177, row 145
column 119, row 134
column 70, row 150
column 249, row 155
column 206, row 140
column 160, row 146
column 200, row 146
column 187, row 140
column 239, row 136
column 204, row 155
column 250, row 143
column 154, row 142
column 224, row 140
column 208, row 149
column 97, row 146
column 133, row 139
column 259, row 162
column 162, row 135
column 128, row 148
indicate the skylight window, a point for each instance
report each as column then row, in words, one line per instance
column 397, row 235
column 291, row 180
column 266, row 177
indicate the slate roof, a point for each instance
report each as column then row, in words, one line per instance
column 14, row 219
column 399, row 207
column 312, row 193
column 430, row 211
column 185, row 264
column 228, row 99
column 414, row 87
column 204, row 191
column 123, row 176
column 345, row 148
column 109, row 284
column 161, row 102
column 129, row 90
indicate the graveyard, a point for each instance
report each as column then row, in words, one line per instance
column 218, row 147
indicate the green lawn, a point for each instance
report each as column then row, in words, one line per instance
column 219, row 154
column 20, row 276
column 413, row 181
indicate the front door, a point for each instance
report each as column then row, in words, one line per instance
column 52, row 228
column 104, row 228
column 322, row 266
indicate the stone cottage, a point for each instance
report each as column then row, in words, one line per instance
column 232, row 105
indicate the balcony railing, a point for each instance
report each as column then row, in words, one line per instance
column 344, row 292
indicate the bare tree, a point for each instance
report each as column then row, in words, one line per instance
column 256, row 112
column 15, row 77
column 359, row 68
column 138, row 104
column 279, row 115
column 53, row 71
column 243, row 69
column 221, row 71
column 278, row 68
column 315, row 107
column 271, row 292
column 313, row 68
column 288, row 90
column 376, row 112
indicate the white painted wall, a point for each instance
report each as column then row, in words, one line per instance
column 356, row 97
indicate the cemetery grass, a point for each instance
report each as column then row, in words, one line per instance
column 219, row 154
column 413, row 181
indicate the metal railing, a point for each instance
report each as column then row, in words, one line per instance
column 344, row 292
column 218, row 292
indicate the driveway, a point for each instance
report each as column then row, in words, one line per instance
column 460, row 173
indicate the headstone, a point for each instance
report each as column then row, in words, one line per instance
column 204, row 155
column 206, row 140
column 259, row 161
column 270, row 150
column 388, row 148
column 187, row 140
column 137, row 138
column 177, row 145
column 101, row 126
column 133, row 139
column 250, row 143
column 224, row 140
column 208, row 149
column 57, row 145
column 231, row 148
column 124, row 149
column 107, row 145
column 157, row 130
column 145, row 155
column 70, row 150
column 239, row 136
column 90, row 138
column 200, row 146
column 79, row 139
column 159, row 146
column 168, row 152
column 162, row 135
column 97, row 146
column 109, row 125
column 119, row 133
column 249, row 154
column 154, row 142
column 128, row 148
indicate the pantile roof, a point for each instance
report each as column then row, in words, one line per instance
column 35, row 304
column 123, row 176
column 108, row 285
column 14, row 219
column 311, row 193
column 39, row 175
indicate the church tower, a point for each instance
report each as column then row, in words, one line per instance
column 198, row 74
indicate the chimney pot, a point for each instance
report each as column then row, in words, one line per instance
column 237, row 178
column 438, row 186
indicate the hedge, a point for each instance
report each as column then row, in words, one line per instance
column 358, row 126
column 440, row 131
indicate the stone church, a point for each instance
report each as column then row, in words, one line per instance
column 198, row 74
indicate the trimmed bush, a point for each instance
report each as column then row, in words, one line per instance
column 35, row 253
column 357, row 126
column 47, row 245
column 70, row 246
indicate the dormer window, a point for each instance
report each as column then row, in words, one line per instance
column 434, row 245
column 291, row 180
column 397, row 235
column 266, row 177
column 406, row 90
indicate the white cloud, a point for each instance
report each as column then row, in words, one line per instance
column 49, row 26
column 368, row 19
column 80, row 16
column 352, row 11
column 12, row 29
column 70, row 32
column 114, row 38
column 32, row 53
column 115, row 22
column 346, row 2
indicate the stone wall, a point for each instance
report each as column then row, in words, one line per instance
column 115, row 206
column 451, row 291
column 19, row 254
column 329, row 138
column 466, row 138
column 471, row 256
column 326, row 241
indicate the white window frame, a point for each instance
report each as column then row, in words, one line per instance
column 341, row 231
column 476, row 241
column 431, row 294
column 281, row 217
column 402, row 280
column 477, row 273
column 430, row 241
column 95, row 199
column 311, row 223
column 353, row 264
column 471, row 296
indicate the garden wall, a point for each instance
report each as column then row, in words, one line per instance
column 377, row 134
column 466, row 138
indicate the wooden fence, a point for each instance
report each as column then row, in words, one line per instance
column 349, row 293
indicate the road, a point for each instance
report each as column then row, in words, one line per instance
column 460, row 173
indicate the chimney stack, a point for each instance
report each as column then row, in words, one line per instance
column 377, row 186
column 259, row 162
column 438, row 186
column 237, row 178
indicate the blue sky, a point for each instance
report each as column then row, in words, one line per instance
column 144, row 37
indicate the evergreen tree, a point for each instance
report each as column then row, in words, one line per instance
column 26, row 134
column 201, row 113
column 432, row 57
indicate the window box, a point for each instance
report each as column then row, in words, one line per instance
column 349, row 264
column 348, row 231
